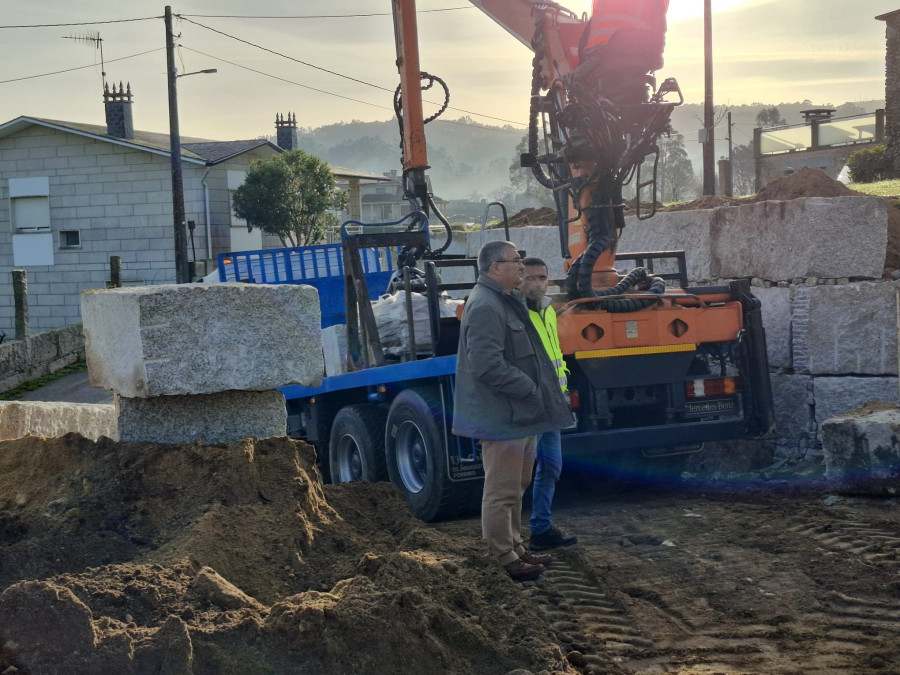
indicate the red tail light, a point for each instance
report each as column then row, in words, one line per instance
column 574, row 400
column 712, row 386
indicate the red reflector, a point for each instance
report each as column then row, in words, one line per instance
column 574, row 400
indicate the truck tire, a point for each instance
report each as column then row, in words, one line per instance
column 356, row 446
column 417, row 459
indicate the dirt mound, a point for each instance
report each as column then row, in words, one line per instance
column 541, row 217
column 235, row 558
column 804, row 182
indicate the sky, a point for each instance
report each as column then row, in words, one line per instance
column 770, row 51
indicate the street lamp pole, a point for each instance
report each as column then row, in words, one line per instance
column 181, row 262
column 182, row 270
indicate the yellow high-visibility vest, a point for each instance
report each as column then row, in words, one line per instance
column 544, row 320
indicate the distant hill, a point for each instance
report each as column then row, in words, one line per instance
column 471, row 160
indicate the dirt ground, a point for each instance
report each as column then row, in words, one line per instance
column 132, row 558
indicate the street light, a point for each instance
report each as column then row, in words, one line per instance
column 182, row 272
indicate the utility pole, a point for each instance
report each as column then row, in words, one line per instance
column 709, row 141
column 730, row 192
column 181, row 262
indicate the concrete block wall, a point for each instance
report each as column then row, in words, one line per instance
column 118, row 199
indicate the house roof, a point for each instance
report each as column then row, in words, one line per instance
column 889, row 15
column 197, row 150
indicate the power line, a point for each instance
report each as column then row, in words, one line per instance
column 332, row 72
column 319, row 16
column 82, row 23
column 328, row 93
column 69, row 70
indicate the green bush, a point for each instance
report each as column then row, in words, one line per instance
column 869, row 165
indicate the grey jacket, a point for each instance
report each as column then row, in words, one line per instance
column 506, row 386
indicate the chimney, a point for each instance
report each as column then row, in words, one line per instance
column 118, row 111
column 286, row 131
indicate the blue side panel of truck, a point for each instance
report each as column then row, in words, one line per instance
column 319, row 266
column 406, row 372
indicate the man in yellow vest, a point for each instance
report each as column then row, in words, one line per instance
column 548, row 462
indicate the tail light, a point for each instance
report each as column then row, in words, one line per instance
column 574, row 400
column 713, row 386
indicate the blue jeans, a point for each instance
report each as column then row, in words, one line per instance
column 548, row 466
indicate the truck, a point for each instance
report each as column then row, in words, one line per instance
column 657, row 367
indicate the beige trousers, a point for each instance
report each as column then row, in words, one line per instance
column 507, row 474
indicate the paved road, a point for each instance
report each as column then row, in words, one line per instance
column 73, row 388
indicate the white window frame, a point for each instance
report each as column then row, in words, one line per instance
column 30, row 196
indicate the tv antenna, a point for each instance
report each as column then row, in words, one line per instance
column 93, row 39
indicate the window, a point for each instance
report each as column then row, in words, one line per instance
column 69, row 239
column 29, row 204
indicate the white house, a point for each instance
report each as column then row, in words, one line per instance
column 72, row 195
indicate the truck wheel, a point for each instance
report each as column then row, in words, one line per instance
column 356, row 447
column 417, row 458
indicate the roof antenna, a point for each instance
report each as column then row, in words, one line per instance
column 92, row 38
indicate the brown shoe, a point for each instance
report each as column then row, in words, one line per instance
column 519, row 570
column 536, row 558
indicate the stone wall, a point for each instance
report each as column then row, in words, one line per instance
column 39, row 354
column 816, row 264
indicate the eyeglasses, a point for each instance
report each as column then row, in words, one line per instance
column 514, row 260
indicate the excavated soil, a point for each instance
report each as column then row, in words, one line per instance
column 140, row 558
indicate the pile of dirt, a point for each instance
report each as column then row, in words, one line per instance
column 139, row 558
column 543, row 216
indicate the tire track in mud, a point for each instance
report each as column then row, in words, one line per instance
column 606, row 619
column 874, row 545
column 583, row 616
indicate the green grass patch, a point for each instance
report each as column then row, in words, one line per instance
column 31, row 385
column 881, row 188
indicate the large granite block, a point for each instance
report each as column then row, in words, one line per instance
column 792, row 397
column 38, row 418
column 846, row 329
column 862, row 452
column 215, row 418
column 202, row 338
column 536, row 241
column 687, row 231
column 837, row 395
column 820, row 237
column 776, row 315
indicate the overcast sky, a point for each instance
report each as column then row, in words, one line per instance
column 770, row 51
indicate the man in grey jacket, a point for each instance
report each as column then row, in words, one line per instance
column 507, row 393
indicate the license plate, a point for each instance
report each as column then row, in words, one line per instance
column 711, row 406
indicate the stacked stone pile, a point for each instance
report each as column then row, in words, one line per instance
column 202, row 361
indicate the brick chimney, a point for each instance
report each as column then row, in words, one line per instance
column 286, row 131
column 118, row 111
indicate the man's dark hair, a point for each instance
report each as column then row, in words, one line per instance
column 534, row 262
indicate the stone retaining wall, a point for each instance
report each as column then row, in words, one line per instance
column 816, row 264
column 39, row 354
